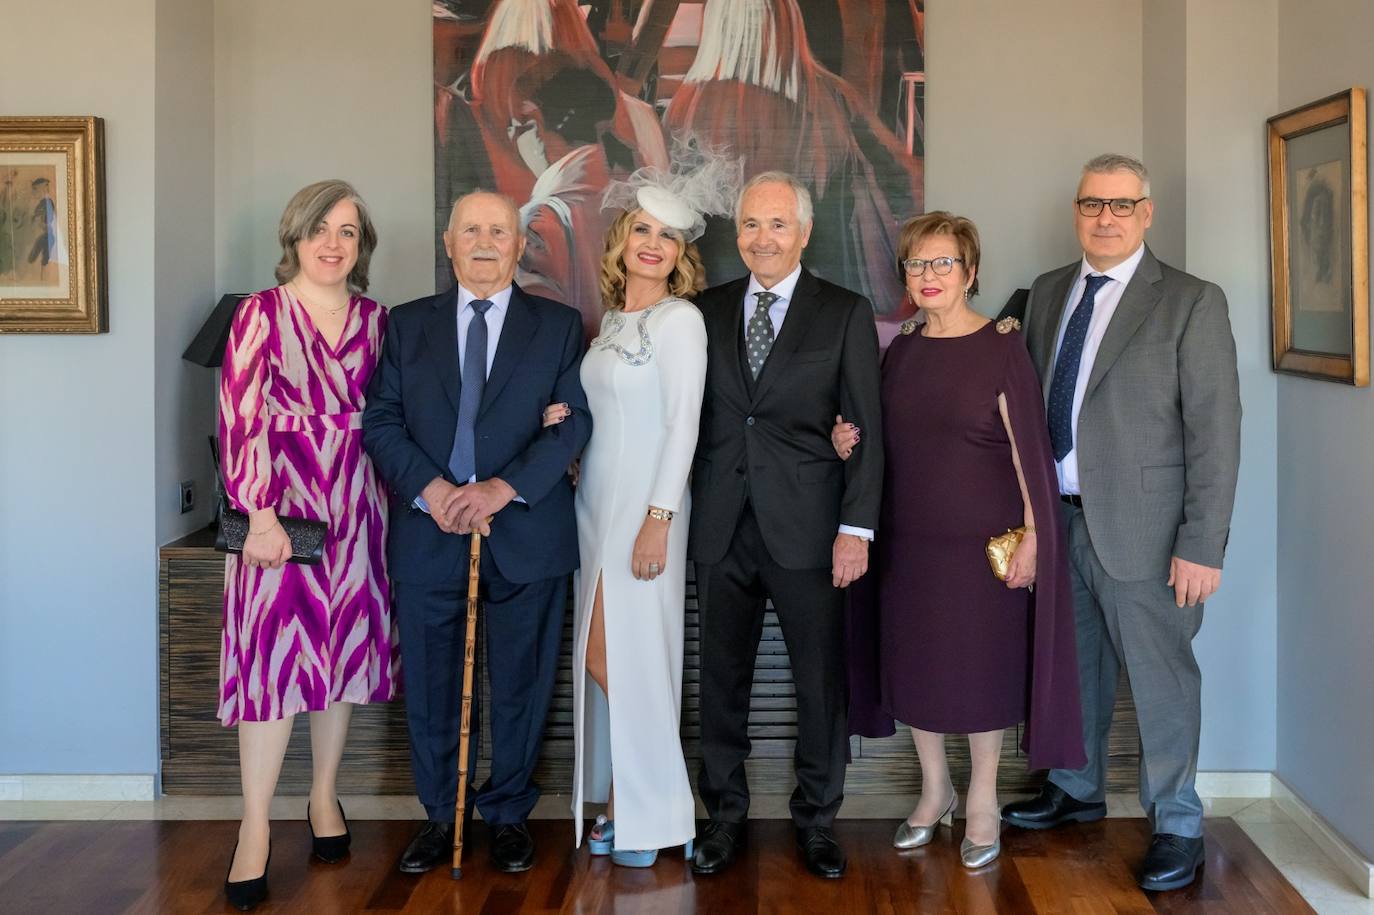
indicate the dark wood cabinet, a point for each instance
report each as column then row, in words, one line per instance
column 200, row 757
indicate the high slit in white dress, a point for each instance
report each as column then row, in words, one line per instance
column 644, row 376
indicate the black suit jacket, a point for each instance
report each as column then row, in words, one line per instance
column 770, row 439
column 412, row 412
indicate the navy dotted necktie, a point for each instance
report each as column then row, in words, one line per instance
column 1065, row 380
column 462, row 460
column 759, row 339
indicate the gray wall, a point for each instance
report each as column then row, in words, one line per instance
column 78, row 575
column 1006, row 108
column 184, row 284
column 1230, row 91
column 1326, row 501
column 353, row 103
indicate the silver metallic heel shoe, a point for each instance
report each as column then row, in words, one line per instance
column 976, row 856
column 909, row 837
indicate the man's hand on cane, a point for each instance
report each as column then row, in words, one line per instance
column 474, row 505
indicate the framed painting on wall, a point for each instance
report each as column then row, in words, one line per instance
column 52, row 225
column 1319, row 239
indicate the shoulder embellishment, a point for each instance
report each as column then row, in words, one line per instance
column 1007, row 325
column 908, row 327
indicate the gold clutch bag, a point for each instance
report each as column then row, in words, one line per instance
column 1001, row 548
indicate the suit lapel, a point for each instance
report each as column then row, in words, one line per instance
column 731, row 311
column 441, row 333
column 1048, row 318
column 516, row 333
column 1139, row 299
column 801, row 311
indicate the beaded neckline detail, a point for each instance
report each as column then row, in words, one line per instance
column 611, row 326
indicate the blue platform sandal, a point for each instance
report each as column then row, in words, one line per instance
column 602, row 837
column 644, row 858
column 627, row 858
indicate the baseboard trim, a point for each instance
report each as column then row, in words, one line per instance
column 77, row 787
column 1345, row 856
column 1235, row 784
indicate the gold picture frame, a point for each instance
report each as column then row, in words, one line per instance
column 52, row 226
column 1319, row 239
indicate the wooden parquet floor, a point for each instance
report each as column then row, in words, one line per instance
column 169, row 866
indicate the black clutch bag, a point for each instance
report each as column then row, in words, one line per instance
column 307, row 537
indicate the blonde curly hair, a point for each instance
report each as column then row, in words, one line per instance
column 687, row 279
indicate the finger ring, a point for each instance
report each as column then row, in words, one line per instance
column 653, row 568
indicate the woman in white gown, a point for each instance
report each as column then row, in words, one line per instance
column 644, row 375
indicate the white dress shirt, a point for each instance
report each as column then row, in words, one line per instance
column 1104, row 306
column 777, row 313
column 496, row 319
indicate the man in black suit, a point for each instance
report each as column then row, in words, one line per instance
column 454, row 425
column 776, row 514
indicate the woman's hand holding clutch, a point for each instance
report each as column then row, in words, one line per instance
column 1021, row 569
column 266, row 545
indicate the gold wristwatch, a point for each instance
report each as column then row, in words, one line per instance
column 660, row 514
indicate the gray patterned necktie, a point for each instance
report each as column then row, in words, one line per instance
column 759, row 338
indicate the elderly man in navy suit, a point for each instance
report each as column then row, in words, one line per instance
column 454, row 425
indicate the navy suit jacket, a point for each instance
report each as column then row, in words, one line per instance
column 412, row 412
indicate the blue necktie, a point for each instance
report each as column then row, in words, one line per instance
column 462, row 461
column 1066, row 369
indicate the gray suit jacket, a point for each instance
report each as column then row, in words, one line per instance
column 1158, row 434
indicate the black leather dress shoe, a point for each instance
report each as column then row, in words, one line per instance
column 820, row 851
column 1053, row 806
column 430, row 848
column 717, row 847
column 1171, row 862
column 512, row 848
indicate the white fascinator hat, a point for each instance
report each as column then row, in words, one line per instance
column 699, row 182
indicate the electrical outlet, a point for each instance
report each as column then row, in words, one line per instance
column 188, row 496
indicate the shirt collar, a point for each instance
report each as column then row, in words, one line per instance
column 1122, row 272
column 498, row 300
column 783, row 290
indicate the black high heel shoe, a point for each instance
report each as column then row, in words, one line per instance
column 246, row 894
column 329, row 849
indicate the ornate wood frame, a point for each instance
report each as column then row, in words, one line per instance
column 1342, row 111
column 81, row 140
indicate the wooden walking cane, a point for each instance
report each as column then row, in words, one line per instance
column 465, row 721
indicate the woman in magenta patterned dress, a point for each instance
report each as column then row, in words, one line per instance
column 302, row 638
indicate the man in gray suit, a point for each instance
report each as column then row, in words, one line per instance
column 1141, row 392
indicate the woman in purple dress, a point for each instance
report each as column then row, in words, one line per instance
column 303, row 638
column 937, row 641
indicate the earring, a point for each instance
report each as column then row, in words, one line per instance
column 966, row 294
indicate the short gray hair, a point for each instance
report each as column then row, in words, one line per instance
column 307, row 209
column 504, row 198
column 804, row 208
column 1116, row 162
